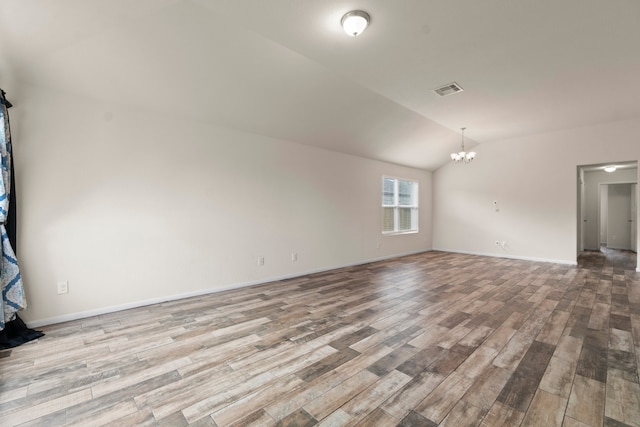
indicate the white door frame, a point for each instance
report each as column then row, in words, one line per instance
column 634, row 213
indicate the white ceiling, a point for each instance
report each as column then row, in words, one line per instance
column 284, row 68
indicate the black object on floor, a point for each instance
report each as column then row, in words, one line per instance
column 16, row 332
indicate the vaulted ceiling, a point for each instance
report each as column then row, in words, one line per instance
column 285, row 68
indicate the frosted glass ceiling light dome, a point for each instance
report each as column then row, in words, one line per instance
column 355, row 22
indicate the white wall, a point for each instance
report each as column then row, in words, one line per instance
column 534, row 179
column 604, row 213
column 593, row 184
column 132, row 207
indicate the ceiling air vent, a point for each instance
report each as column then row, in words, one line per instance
column 448, row 89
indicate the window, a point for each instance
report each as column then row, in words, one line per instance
column 399, row 205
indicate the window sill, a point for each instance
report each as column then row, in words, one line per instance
column 396, row 233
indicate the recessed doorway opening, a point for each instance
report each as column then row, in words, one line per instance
column 607, row 207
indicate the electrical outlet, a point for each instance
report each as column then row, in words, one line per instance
column 294, row 256
column 260, row 261
column 63, row 287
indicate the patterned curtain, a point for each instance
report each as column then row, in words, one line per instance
column 13, row 299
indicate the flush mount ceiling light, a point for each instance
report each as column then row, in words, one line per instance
column 610, row 169
column 355, row 22
column 463, row 156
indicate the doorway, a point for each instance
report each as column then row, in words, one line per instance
column 607, row 212
column 617, row 211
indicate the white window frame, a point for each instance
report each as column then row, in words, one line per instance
column 396, row 206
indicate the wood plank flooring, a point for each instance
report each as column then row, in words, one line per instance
column 422, row 340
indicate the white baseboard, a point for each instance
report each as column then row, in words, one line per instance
column 135, row 304
column 501, row 255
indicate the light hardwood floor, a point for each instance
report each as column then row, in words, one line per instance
column 423, row 340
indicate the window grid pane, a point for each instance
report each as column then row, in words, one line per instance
column 405, row 193
column 405, row 219
column 388, row 221
column 388, row 192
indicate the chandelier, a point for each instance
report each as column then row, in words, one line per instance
column 463, row 156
